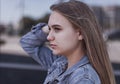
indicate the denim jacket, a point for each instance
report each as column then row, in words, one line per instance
column 80, row 73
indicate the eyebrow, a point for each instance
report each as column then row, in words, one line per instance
column 55, row 25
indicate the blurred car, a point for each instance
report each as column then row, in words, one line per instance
column 114, row 35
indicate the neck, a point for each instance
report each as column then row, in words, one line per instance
column 74, row 57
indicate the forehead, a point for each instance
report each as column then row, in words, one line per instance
column 57, row 18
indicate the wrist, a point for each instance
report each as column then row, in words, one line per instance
column 45, row 29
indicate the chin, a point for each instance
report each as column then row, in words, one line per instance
column 56, row 53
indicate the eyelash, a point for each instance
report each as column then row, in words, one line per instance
column 55, row 29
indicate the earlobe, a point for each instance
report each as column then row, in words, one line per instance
column 80, row 37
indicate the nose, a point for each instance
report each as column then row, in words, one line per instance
column 50, row 36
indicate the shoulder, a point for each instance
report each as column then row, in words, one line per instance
column 85, row 74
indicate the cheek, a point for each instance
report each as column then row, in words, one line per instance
column 63, row 39
column 67, row 42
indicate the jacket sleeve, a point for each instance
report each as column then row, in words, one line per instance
column 33, row 44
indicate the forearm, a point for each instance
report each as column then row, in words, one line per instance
column 33, row 44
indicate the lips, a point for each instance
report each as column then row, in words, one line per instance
column 53, row 46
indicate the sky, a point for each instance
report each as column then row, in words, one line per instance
column 11, row 10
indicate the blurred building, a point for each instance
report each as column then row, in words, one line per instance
column 102, row 17
column 108, row 16
column 117, row 16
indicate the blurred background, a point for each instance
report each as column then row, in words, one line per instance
column 16, row 19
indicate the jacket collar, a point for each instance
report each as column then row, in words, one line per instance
column 84, row 60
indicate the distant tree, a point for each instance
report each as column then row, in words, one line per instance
column 25, row 25
column 2, row 29
column 27, row 22
column 44, row 18
column 10, row 29
column 60, row 1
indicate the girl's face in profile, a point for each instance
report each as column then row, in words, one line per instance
column 63, row 38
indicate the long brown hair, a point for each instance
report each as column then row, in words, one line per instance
column 81, row 16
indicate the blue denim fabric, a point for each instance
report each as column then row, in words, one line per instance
column 80, row 73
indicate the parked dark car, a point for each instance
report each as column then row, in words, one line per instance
column 114, row 35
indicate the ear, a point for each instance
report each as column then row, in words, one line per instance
column 80, row 36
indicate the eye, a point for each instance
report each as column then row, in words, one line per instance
column 57, row 29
